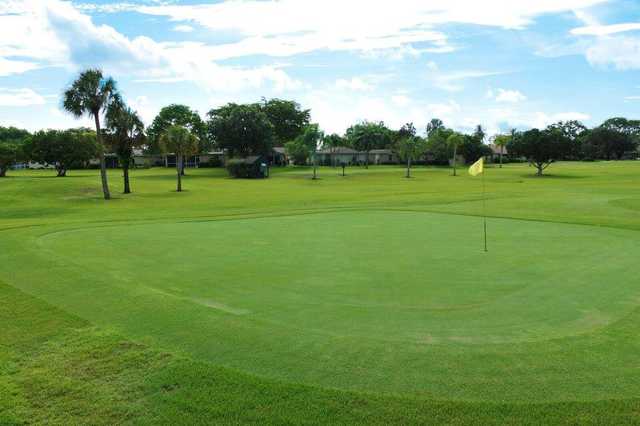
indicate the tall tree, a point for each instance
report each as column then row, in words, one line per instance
column 62, row 148
column 454, row 141
column 540, row 147
column 12, row 141
column 9, row 154
column 434, row 125
column 124, row 132
column 410, row 148
column 311, row 137
column 241, row 129
column 287, row 117
column 368, row 135
column 177, row 115
column 572, row 131
column 501, row 142
column 437, row 147
column 181, row 142
column 333, row 141
column 479, row 133
column 91, row 94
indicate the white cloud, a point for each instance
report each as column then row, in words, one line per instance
column 452, row 81
column 623, row 53
column 603, row 30
column 20, row 97
column 510, row 96
column 54, row 33
column 400, row 100
column 289, row 27
column 183, row 28
column 355, row 83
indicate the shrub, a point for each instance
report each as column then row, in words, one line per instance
column 240, row 168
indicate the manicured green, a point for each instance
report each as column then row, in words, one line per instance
column 366, row 297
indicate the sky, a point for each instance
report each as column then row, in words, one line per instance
column 501, row 64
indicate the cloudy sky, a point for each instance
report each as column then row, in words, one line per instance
column 498, row 63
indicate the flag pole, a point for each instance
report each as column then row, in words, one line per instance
column 484, row 211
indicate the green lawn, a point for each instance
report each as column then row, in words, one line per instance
column 366, row 298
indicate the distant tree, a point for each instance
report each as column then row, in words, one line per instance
column 241, row 129
column 479, row 133
column 12, row 141
column 287, row 118
column 177, row 115
column 606, row 143
column 434, row 125
column 368, row 135
column 62, row 148
column 501, row 142
column 311, row 138
column 124, row 132
column 91, row 94
column 572, row 132
column 410, row 148
column 297, row 152
column 540, row 147
column 181, row 142
column 454, row 141
column 9, row 155
column 437, row 147
column 472, row 148
column 333, row 141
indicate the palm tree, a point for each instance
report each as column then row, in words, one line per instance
column 124, row 132
column 181, row 142
column 91, row 94
column 454, row 141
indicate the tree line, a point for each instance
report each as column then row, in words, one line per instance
column 243, row 130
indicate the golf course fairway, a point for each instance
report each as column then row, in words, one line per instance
column 390, row 295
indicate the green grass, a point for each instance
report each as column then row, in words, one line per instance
column 364, row 298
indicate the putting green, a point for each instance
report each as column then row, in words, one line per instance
column 386, row 301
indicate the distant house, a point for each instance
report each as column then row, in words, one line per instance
column 495, row 152
column 382, row 156
column 278, row 156
column 338, row 155
column 205, row 159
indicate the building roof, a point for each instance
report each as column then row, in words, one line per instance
column 278, row 149
column 252, row 159
column 381, row 151
column 338, row 150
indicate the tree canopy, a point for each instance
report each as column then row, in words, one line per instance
column 177, row 115
column 62, row 148
column 287, row 117
column 540, row 147
column 369, row 135
column 124, row 132
column 242, row 129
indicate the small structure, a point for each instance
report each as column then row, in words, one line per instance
column 382, row 156
column 495, row 152
column 278, row 156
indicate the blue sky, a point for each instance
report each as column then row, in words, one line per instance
column 501, row 64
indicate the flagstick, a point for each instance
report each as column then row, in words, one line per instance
column 484, row 211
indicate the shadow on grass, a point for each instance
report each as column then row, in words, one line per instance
column 552, row 176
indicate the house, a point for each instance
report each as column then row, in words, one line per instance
column 383, row 156
column 495, row 152
column 205, row 159
column 338, row 155
column 278, row 156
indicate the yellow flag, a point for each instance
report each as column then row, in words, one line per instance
column 477, row 167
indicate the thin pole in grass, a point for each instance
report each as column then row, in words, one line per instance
column 476, row 169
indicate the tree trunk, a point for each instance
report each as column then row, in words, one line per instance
column 455, row 154
column 3, row 172
column 501, row 157
column 125, row 175
column 408, row 167
column 179, row 171
column 314, row 166
column 62, row 171
column 103, row 164
column 366, row 161
column 540, row 169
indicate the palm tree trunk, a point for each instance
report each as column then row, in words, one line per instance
column 103, row 164
column 501, row 156
column 408, row 167
column 314, row 166
column 455, row 154
column 125, row 173
column 179, row 171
